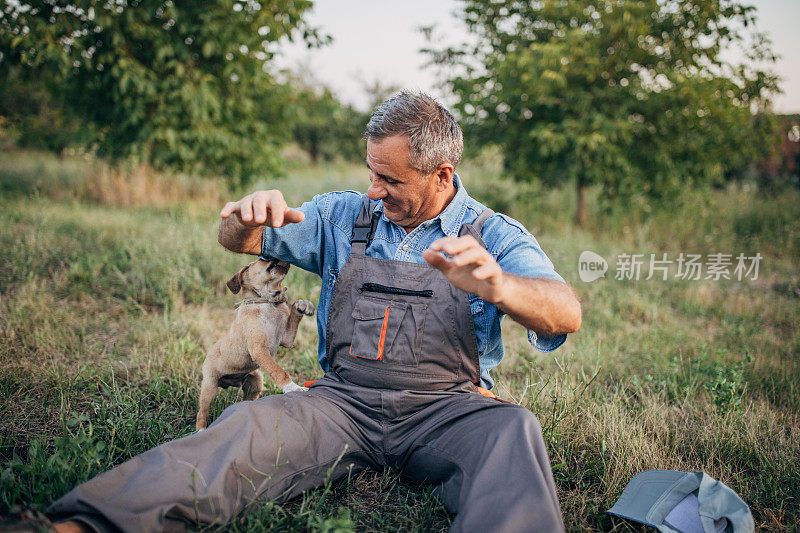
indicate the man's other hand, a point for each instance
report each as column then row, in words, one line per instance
column 547, row 306
column 263, row 208
column 468, row 266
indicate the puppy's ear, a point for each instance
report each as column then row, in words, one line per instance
column 235, row 283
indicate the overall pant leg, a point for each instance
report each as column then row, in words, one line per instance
column 274, row 447
column 489, row 462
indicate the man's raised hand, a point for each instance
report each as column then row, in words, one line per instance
column 243, row 232
column 263, row 208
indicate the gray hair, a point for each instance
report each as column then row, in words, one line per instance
column 434, row 136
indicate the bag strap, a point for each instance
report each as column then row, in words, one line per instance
column 476, row 228
column 364, row 228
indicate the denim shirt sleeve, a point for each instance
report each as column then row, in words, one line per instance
column 302, row 243
column 521, row 254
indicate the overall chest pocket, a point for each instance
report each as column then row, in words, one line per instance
column 387, row 330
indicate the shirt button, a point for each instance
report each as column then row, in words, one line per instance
column 405, row 247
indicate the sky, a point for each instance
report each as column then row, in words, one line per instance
column 379, row 40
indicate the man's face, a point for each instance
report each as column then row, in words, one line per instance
column 409, row 197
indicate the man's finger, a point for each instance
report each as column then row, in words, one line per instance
column 260, row 208
column 228, row 209
column 439, row 244
column 246, row 208
column 454, row 245
column 291, row 216
column 471, row 256
column 277, row 207
column 435, row 259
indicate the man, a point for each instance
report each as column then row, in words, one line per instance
column 415, row 279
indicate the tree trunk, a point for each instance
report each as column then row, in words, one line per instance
column 313, row 149
column 580, row 204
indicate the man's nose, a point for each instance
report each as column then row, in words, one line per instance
column 375, row 191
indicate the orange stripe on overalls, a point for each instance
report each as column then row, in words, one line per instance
column 383, row 334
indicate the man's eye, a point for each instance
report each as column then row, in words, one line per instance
column 390, row 181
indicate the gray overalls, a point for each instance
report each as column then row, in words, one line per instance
column 401, row 392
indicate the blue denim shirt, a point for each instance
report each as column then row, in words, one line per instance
column 321, row 244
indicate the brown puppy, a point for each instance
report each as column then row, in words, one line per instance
column 263, row 322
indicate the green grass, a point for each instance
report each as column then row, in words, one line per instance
column 107, row 306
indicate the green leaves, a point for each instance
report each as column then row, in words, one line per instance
column 633, row 96
column 321, row 125
column 180, row 85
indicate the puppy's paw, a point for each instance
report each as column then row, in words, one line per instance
column 291, row 387
column 304, row 307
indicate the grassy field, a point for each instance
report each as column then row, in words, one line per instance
column 112, row 286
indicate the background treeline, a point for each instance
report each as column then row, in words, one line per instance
column 633, row 98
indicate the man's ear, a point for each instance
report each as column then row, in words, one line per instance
column 235, row 283
column 444, row 175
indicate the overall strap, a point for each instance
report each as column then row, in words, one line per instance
column 364, row 228
column 476, row 228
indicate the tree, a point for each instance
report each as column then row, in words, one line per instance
column 326, row 127
column 631, row 95
column 781, row 167
column 35, row 118
column 322, row 125
column 181, row 85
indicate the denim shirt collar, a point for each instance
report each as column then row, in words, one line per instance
column 452, row 216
